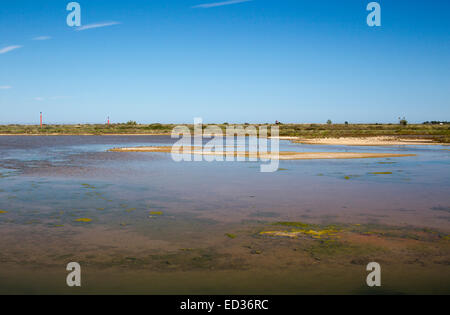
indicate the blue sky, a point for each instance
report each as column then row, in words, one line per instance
column 255, row 61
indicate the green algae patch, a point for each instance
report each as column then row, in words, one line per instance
column 156, row 213
column 130, row 209
column 318, row 231
column 353, row 243
column 279, row 233
column 347, row 177
column 83, row 220
column 229, row 235
column 380, row 173
column 295, row 233
column 302, row 229
column 282, row 169
column 100, row 209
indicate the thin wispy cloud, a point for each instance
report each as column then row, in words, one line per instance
column 5, row 87
column 6, row 49
column 52, row 98
column 42, row 38
column 96, row 25
column 218, row 4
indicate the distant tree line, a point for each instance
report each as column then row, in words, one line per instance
column 436, row 122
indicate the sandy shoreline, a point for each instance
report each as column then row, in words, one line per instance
column 369, row 141
column 280, row 156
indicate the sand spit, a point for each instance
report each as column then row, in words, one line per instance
column 368, row 141
column 281, row 156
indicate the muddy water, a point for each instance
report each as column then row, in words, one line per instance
column 141, row 223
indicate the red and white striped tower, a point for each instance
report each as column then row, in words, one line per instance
column 108, row 120
column 41, row 119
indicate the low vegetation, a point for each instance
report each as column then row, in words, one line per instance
column 437, row 132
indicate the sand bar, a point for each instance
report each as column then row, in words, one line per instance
column 281, row 156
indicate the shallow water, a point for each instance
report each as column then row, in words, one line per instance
column 157, row 226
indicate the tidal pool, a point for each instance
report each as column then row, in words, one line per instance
column 138, row 222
